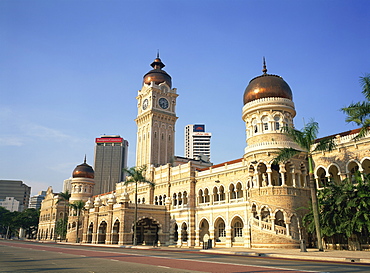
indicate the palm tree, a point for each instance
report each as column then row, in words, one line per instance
column 359, row 112
column 77, row 206
column 136, row 175
column 64, row 196
column 306, row 140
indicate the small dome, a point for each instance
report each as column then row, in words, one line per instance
column 83, row 170
column 157, row 75
column 266, row 86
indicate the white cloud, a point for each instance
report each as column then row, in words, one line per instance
column 11, row 141
column 39, row 131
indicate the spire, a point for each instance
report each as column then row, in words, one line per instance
column 157, row 63
column 264, row 70
column 85, row 159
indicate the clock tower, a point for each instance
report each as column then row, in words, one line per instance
column 155, row 144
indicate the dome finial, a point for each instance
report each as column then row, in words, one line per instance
column 264, row 70
column 85, row 159
column 158, row 53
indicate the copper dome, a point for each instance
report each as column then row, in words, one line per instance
column 83, row 170
column 157, row 75
column 266, row 86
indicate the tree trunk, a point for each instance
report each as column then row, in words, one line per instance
column 135, row 216
column 315, row 206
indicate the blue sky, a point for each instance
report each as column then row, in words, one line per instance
column 70, row 71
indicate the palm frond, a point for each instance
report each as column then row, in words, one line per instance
column 326, row 145
column 304, row 138
column 136, row 175
column 285, row 154
column 365, row 84
column 311, row 130
column 364, row 131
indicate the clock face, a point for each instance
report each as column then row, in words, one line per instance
column 163, row 103
column 145, row 104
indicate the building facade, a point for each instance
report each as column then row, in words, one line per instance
column 197, row 142
column 52, row 210
column 110, row 159
column 246, row 202
column 17, row 189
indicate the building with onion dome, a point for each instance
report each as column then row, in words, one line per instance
column 54, row 208
column 246, row 202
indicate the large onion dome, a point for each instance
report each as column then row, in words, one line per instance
column 157, row 75
column 266, row 86
column 83, row 170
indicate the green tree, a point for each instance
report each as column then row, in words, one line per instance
column 344, row 211
column 306, row 140
column 8, row 224
column 64, row 197
column 136, row 175
column 359, row 112
column 77, row 207
column 28, row 220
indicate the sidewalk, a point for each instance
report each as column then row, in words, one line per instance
column 296, row 254
column 362, row 257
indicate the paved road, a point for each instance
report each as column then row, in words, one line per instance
column 35, row 257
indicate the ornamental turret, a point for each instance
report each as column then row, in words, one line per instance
column 82, row 183
column 268, row 107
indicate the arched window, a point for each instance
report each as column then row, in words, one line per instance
column 179, row 199
column 222, row 193
column 238, row 229
column 232, row 191
column 265, row 123
column 221, row 229
column 277, row 123
column 254, row 125
column 216, row 197
column 175, row 199
column 279, row 219
column 206, row 196
column 200, row 196
column 239, row 191
column 185, row 198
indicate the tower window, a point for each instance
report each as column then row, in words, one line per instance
column 265, row 123
column 277, row 123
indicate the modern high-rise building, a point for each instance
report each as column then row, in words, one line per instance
column 197, row 142
column 35, row 201
column 17, row 189
column 110, row 159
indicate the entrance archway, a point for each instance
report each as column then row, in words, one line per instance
column 102, row 232
column 89, row 233
column 175, row 233
column 115, row 230
column 204, row 229
column 184, row 232
column 147, row 231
